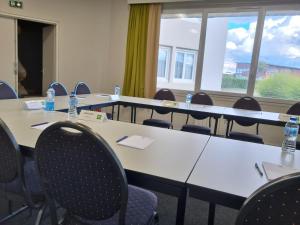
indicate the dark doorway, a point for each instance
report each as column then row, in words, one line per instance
column 30, row 54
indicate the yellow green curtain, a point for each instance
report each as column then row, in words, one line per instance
column 134, row 80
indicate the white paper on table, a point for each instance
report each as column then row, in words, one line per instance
column 42, row 126
column 34, row 104
column 136, row 141
column 274, row 171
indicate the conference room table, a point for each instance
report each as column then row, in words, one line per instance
column 164, row 166
column 225, row 174
column 214, row 111
column 176, row 160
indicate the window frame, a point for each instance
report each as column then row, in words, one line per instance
column 185, row 52
column 262, row 11
column 168, row 64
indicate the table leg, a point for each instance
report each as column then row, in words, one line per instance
column 216, row 126
column 227, row 128
column 112, row 112
column 211, row 214
column 181, row 204
column 134, row 115
column 118, row 116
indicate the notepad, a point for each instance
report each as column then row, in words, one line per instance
column 34, row 104
column 168, row 103
column 42, row 126
column 274, row 171
column 136, row 141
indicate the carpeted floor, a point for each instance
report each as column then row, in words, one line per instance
column 196, row 213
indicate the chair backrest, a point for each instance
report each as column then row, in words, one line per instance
column 59, row 89
column 9, row 155
column 6, row 91
column 92, row 184
column 247, row 103
column 294, row 109
column 164, row 94
column 277, row 202
column 202, row 99
column 81, row 88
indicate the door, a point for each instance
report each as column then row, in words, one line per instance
column 8, row 68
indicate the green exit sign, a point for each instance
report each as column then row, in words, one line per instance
column 16, row 4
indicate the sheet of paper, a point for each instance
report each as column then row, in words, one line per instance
column 136, row 141
column 169, row 103
column 274, row 171
column 34, row 104
column 42, row 126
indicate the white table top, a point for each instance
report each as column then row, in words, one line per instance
column 172, row 155
column 228, row 166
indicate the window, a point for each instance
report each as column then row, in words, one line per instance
column 228, row 51
column 163, row 62
column 181, row 33
column 278, row 72
column 185, row 65
column 254, row 51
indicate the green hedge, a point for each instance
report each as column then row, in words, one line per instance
column 231, row 82
column 283, row 86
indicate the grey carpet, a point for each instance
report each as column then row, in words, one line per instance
column 196, row 213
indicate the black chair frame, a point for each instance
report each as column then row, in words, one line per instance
column 29, row 203
column 52, row 203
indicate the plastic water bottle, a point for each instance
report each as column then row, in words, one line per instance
column 290, row 133
column 73, row 102
column 188, row 99
column 117, row 90
column 49, row 103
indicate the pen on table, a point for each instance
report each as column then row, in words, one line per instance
column 121, row 139
column 38, row 124
column 259, row 170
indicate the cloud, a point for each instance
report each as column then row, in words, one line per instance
column 280, row 43
column 231, row 45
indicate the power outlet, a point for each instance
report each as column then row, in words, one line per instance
column 16, row 4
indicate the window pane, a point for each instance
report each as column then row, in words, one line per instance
column 162, row 62
column 182, row 33
column 278, row 73
column 179, row 65
column 228, row 51
column 189, row 66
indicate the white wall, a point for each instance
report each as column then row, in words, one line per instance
column 83, row 36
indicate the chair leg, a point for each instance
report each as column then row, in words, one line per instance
column 40, row 215
column 13, row 214
column 9, row 206
column 211, row 214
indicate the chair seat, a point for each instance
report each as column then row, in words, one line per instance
column 32, row 182
column 158, row 123
column 141, row 209
column 245, row 137
column 196, row 129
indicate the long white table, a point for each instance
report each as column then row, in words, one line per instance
column 164, row 166
column 225, row 173
column 169, row 162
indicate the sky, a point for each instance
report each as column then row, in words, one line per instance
column 280, row 43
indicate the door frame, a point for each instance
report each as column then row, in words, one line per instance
column 39, row 20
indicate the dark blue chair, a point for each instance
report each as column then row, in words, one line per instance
column 295, row 110
column 18, row 176
column 246, row 103
column 59, row 89
column 81, row 89
column 6, row 91
column 92, row 187
column 276, row 203
column 162, row 94
column 202, row 99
